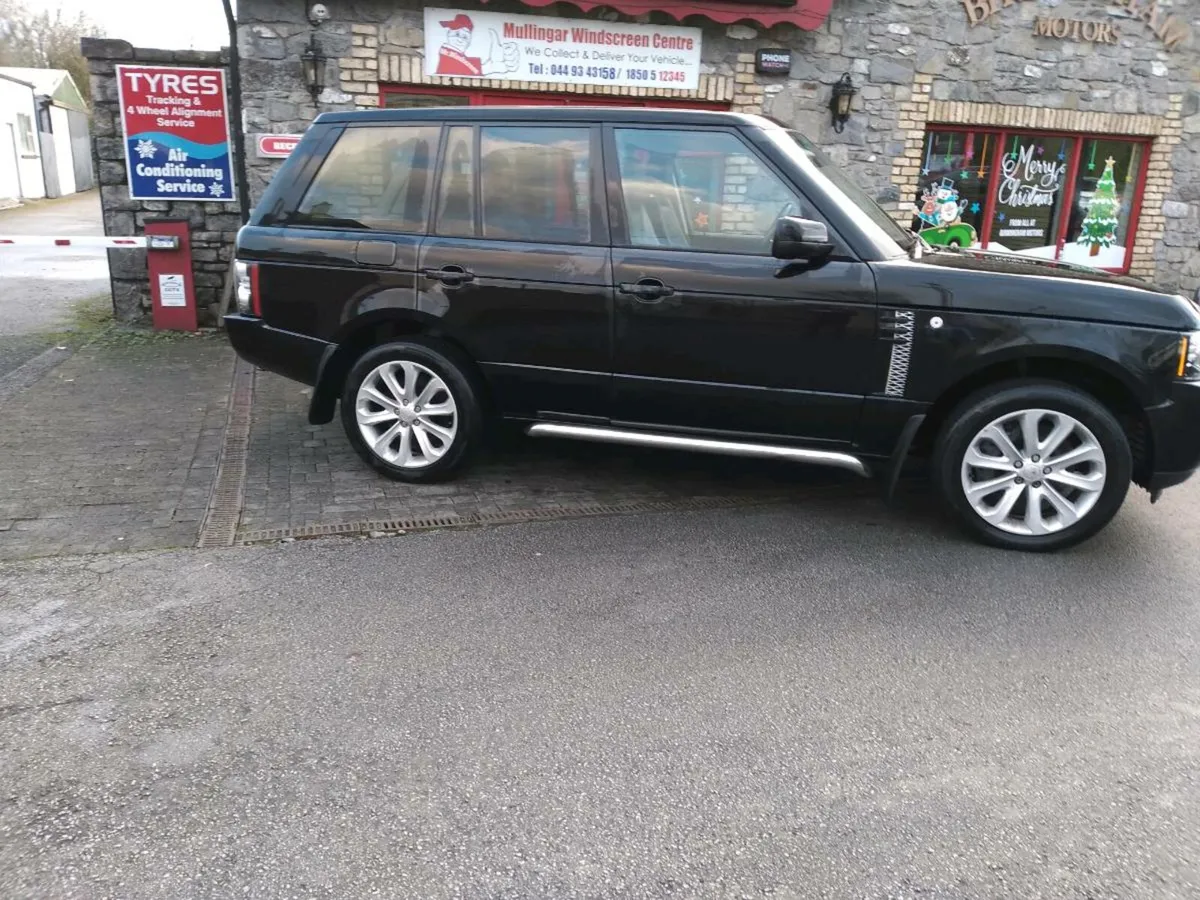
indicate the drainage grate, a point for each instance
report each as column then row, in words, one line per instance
column 225, row 504
column 512, row 517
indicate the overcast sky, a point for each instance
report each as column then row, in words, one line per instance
column 167, row 24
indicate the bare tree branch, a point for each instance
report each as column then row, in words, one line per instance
column 45, row 40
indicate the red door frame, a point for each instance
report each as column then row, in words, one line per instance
column 1003, row 134
column 479, row 97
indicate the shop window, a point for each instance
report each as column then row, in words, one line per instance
column 376, row 178
column 405, row 100
column 699, row 191
column 456, row 200
column 1071, row 198
column 1029, row 204
column 535, row 184
column 25, row 130
column 1102, row 203
column 954, row 179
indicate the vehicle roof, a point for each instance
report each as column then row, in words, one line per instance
column 581, row 113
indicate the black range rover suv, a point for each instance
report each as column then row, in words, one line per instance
column 704, row 281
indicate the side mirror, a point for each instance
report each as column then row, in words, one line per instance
column 800, row 239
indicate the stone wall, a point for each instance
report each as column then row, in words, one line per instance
column 914, row 62
column 214, row 226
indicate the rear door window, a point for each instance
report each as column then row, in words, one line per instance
column 536, row 184
column 375, row 178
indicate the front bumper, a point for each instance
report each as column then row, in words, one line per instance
column 295, row 356
column 1175, row 436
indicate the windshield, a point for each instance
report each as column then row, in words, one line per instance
column 854, row 201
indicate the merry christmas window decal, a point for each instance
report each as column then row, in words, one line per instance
column 1053, row 196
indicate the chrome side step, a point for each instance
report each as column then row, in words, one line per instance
column 699, row 445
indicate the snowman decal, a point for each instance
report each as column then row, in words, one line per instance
column 940, row 212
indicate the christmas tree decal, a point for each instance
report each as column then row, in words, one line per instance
column 1100, row 224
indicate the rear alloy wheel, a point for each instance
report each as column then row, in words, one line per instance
column 409, row 411
column 1036, row 467
column 406, row 414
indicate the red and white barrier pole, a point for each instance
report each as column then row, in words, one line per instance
column 37, row 240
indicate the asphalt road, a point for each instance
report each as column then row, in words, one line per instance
column 834, row 700
column 39, row 285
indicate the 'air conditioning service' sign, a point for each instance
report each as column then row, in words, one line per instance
column 176, row 128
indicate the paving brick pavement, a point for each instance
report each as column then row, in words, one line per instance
column 18, row 349
column 114, row 449
column 299, row 475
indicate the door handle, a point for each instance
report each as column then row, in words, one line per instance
column 647, row 290
column 451, row 276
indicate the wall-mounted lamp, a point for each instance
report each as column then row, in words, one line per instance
column 313, row 61
column 839, row 103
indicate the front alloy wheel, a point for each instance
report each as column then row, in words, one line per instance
column 1032, row 465
column 1033, row 472
column 406, row 414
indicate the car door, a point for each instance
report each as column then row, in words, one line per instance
column 518, row 260
column 711, row 332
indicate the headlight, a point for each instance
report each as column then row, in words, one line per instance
column 1189, row 357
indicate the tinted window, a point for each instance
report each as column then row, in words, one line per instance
column 535, row 184
column 699, row 190
column 456, row 198
column 373, row 178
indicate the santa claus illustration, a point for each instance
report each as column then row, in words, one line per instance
column 453, row 59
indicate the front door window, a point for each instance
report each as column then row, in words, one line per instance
column 698, row 190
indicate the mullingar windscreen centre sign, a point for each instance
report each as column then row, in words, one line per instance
column 474, row 44
column 176, row 127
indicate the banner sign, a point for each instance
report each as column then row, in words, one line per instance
column 560, row 51
column 176, row 127
column 276, row 146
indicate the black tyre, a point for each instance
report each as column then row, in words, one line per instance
column 411, row 410
column 1032, row 465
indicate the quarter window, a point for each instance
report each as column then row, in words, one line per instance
column 374, row 178
column 699, row 190
column 536, row 184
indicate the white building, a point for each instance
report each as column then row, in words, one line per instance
column 20, row 151
column 61, row 143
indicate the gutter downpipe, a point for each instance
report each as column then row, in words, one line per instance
column 239, row 137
